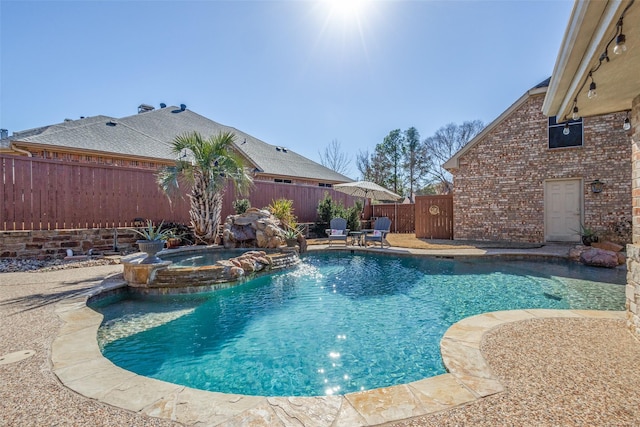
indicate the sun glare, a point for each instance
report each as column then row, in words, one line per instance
column 347, row 8
column 347, row 27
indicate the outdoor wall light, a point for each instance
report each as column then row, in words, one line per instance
column 597, row 186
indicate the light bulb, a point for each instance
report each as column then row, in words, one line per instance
column 592, row 91
column 575, row 115
column 627, row 124
column 621, row 46
column 566, row 130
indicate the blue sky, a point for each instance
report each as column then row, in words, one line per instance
column 295, row 73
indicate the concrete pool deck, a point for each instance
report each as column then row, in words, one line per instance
column 28, row 308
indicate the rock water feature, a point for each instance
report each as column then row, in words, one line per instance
column 255, row 228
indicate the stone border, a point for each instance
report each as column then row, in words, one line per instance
column 163, row 278
column 79, row 364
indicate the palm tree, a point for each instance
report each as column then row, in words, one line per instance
column 206, row 165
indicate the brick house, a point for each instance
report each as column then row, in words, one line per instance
column 143, row 140
column 522, row 179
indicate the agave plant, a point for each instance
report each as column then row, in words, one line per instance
column 151, row 232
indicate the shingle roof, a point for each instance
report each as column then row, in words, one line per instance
column 544, row 83
column 150, row 134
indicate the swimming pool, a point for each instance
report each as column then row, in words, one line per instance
column 335, row 324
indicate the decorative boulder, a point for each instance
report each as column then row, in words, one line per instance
column 576, row 252
column 255, row 227
column 599, row 258
column 607, row 246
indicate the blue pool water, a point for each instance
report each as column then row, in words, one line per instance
column 337, row 323
column 201, row 258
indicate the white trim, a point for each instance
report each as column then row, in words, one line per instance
column 566, row 47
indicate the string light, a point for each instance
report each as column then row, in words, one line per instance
column 566, row 130
column 618, row 49
column 592, row 89
column 621, row 39
column 621, row 45
column 627, row 123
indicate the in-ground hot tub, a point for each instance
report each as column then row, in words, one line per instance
column 203, row 268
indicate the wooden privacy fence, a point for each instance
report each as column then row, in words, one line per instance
column 39, row 194
column 431, row 217
column 402, row 216
column 434, row 217
column 305, row 198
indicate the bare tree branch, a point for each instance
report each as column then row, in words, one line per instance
column 334, row 158
column 447, row 141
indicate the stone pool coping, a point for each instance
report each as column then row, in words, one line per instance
column 80, row 366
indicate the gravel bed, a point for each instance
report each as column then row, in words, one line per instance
column 10, row 265
column 557, row 372
column 30, row 394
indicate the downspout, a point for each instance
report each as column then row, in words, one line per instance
column 20, row 150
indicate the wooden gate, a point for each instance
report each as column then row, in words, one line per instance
column 434, row 217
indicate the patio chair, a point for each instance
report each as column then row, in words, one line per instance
column 381, row 227
column 338, row 230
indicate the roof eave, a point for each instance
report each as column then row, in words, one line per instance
column 28, row 145
column 590, row 23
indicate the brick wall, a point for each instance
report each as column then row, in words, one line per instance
column 54, row 243
column 633, row 250
column 499, row 185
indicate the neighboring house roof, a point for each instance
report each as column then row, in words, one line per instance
column 540, row 88
column 151, row 133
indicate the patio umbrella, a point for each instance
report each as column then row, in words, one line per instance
column 367, row 189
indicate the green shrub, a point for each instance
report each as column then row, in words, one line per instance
column 325, row 210
column 329, row 209
column 182, row 231
column 240, row 206
column 353, row 216
column 283, row 210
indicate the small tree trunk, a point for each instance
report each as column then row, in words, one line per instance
column 205, row 211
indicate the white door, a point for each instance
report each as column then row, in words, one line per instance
column 563, row 210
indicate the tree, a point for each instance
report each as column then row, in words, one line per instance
column 416, row 162
column 447, row 141
column 363, row 164
column 389, row 155
column 334, row 158
column 206, row 165
column 372, row 167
